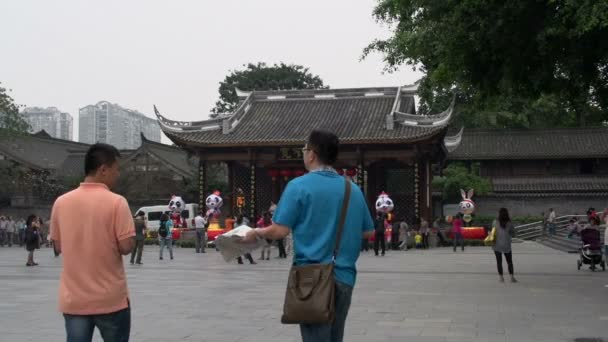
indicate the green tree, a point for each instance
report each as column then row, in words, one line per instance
column 11, row 122
column 513, row 63
column 263, row 77
column 457, row 176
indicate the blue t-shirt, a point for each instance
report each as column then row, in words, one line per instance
column 310, row 206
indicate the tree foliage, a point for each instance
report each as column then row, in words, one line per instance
column 514, row 63
column 457, row 176
column 263, row 77
column 11, row 122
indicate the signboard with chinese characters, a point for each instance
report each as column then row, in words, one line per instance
column 290, row 153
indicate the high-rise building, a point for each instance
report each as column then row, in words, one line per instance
column 111, row 124
column 56, row 123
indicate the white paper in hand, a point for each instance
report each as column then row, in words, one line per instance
column 230, row 246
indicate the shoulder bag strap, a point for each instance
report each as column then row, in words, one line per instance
column 347, row 189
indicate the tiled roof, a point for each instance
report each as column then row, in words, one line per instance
column 541, row 184
column 39, row 151
column 173, row 157
column 532, row 144
column 287, row 117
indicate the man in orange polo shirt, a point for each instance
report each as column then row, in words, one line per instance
column 93, row 228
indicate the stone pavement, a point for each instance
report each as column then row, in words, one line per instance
column 417, row 296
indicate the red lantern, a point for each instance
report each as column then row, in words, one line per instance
column 340, row 172
column 299, row 172
column 286, row 173
column 351, row 172
column 274, row 173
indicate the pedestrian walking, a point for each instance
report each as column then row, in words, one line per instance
column 3, row 224
column 165, row 236
column 11, row 230
column 264, row 222
column 505, row 231
column 551, row 221
column 21, row 229
column 32, row 239
column 457, row 232
column 200, row 226
column 93, row 228
column 380, row 229
column 311, row 207
column 424, row 231
column 140, row 236
column 240, row 222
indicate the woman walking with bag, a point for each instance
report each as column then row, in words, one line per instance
column 165, row 237
column 32, row 238
column 505, row 231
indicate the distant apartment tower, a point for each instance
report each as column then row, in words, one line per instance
column 111, row 124
column 56, row 123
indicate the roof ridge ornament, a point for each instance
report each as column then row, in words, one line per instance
column 452, row 142
column 432, row 120
column 242, row 93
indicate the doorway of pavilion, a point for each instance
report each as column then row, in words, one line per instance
column 398, row 180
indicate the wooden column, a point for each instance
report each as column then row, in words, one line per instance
column 252, row 180
column 417, row 191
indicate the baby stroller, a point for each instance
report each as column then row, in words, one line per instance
column 591, row 251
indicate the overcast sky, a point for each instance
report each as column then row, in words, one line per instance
column 72, row 53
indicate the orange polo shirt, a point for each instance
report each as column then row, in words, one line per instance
column 89, row 221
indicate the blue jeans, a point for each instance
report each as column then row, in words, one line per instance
column 113, row 327
column 330, row 332
column 166, row 242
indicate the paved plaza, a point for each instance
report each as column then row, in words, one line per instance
column 417, row 296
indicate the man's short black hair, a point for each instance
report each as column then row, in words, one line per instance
column 325, row 144
column 99, row 154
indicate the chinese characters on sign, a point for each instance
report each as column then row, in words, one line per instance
column 290, row 153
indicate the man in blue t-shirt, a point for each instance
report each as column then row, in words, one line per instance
column 310, row 208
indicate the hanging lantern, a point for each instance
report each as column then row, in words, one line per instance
column 351, row 172
column 299, row 172
column 286, row 173
column 274, row 173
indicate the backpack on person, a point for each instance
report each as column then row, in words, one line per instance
column 162, row 230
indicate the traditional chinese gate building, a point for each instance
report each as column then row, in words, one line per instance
column 384, row 144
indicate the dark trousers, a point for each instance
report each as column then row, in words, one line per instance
column 425, row 240
column 138, row 250
column 458, row 240
column 21, row 237
column 509, row 257
column 247, row 256
column 395, row 240
column 379, row 241
column 364, row 245
column 200, row 242
column 113, row 327
column 331, row 332
column 281, row 245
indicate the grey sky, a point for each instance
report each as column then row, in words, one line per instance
column 71, row 53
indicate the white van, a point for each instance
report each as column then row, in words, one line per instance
column 154, row 212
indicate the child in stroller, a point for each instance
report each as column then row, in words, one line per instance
column 591, row 250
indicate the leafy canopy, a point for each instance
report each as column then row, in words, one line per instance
column 11, row 122
column 263, row 77
column 520, row 63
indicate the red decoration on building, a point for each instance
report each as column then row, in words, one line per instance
column 286, row 173
column 299, row 172
column 274, row 173
column 351, row 172
column 340, row 171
